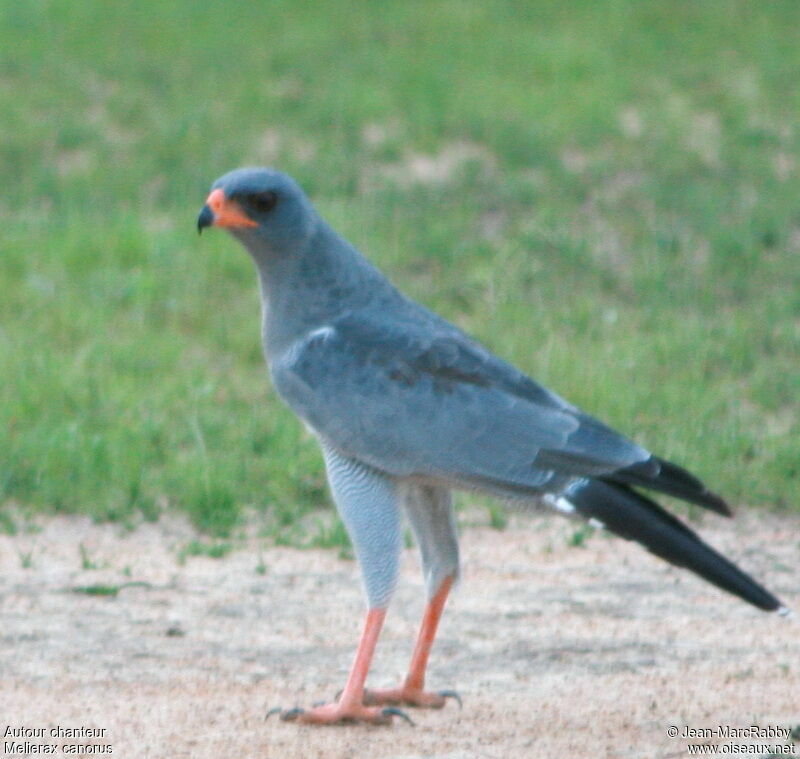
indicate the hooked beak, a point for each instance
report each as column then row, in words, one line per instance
column 220, row 211
column 205, row 219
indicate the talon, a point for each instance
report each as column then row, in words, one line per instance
column 292, row 714
column 452, row 694
column 393, row 711
column 274, row 710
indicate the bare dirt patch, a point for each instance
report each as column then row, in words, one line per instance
column 590, row 651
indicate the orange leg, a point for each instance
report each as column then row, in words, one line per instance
column 411, row 693
column 350, row 705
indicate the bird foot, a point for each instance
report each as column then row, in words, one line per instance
column 410, row 697
column 338, row 714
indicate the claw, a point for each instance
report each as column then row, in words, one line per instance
column 393, row 711
column 292, row 714
column 452, row 694
column 286, row 715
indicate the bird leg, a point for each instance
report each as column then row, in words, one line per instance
column 411, row 693
column 350, row 707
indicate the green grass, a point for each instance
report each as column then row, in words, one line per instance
column 610, row 200
column 215, row 550
column 100, row 589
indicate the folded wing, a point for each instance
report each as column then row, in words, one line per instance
column 413, row 400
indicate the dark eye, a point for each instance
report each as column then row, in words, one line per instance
column 263, row 201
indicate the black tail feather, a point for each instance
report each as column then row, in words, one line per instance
column 635, row 517
column 670, row 479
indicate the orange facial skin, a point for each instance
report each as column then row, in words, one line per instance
column 227, row 213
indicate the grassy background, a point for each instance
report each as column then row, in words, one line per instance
column 605, row 192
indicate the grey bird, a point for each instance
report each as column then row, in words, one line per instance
column 406, row 407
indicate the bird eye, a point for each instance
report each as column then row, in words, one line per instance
column 263, row 201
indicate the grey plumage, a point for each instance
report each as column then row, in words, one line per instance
column 367, row 501
column 407, row 406
column 419, row 399
column 430, row 513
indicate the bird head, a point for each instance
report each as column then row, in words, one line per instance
column 264, row 208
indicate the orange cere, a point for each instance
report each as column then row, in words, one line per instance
column 227, row 213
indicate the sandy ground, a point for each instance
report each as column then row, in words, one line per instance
column 557, row 651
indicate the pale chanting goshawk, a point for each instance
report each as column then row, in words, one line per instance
column 407, row 407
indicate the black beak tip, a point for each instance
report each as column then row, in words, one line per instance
column 205, row 219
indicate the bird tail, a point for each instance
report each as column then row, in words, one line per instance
column 633, row 516
column 671, row 479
